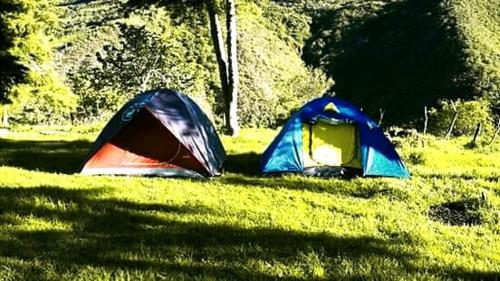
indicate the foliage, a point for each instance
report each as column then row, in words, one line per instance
column 141, row 60
column 470, row 113
column 64, row 226
column 287, row 23
column 177, row 52
column 393, row 55
column 274, row 80
column 42, row 96
column 11, row 71
column 479, row 24
column 400, row 55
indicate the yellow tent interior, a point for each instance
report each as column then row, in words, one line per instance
column 326, row 144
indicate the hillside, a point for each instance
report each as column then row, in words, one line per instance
column 392, row 55
column 172, row 41
column 479, row 24
column 400, row 55
column 67, row 65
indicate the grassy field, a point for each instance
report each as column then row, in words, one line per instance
column 58, row 225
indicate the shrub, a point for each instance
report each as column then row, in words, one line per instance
column 43, row 98
column 470, row 113
column 479, row 24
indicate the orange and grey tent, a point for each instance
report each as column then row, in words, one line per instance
column 160, row 133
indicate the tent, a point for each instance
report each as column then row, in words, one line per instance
column 161, row 133
column 330, row 132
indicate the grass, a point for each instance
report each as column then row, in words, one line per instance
column 58, row 225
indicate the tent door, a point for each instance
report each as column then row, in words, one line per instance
column 327, row 144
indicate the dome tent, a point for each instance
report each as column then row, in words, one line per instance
column 330, row 132
column 161, row 133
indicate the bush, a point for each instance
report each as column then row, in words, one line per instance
column 470, row 113
column 43, row 98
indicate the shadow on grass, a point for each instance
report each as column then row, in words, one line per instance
column 48, row 156
column 126, row 235
column 245, row 164
column 312, row 184
column 245, row 168
column 165, row 239
column 67, row 158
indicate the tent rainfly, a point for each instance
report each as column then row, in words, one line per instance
column 158, row 133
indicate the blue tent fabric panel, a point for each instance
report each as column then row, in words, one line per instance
column 211, row 146
column 183, row 118
column 284, row 153
column 381, row 158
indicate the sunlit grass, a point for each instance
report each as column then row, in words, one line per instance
column 58, row 225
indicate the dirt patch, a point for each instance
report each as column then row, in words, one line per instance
column 463, row 213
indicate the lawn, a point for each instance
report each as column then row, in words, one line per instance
column 58, row 225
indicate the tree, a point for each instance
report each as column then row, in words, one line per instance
column 227, row 62
column 139, row 61
column 226, row 54
column 41, row 95
column 220, row 52
column 11, row 71
column 232, row 122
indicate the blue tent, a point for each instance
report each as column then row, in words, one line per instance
column 374, row 154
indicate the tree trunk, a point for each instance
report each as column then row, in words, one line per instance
column 232, row 122
column 220, row 52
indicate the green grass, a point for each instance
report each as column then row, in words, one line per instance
column 58, row 225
